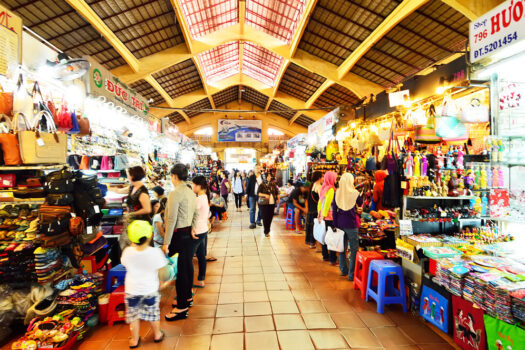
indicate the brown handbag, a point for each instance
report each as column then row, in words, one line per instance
column 83, row 124
column 6, row 102
column 9, row 141
column 51, row 213
column 84, row 163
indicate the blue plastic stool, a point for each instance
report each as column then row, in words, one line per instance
column 118, row 272
column 385, row 292
column 290, row 223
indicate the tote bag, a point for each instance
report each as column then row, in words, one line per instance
column 9, row 140
column 335, row 240
column 501, row 335
column 37, row 147
column 319, row 230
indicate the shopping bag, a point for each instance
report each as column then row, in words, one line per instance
column 503, row 336
column 335, row 240
column 169, row 272
column 319, row 230
column 469, row 328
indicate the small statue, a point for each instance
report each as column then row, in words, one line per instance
column 453, row 186
column 459, row 159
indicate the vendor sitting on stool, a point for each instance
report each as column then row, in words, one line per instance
column 297, row 202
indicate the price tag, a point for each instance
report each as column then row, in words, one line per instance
column 403, row 185
column 40, row 142
column 89, row 230
column 6, row 183
column 405, row 227
column 97, row 210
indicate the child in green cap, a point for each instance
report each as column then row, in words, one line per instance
column 142, row 263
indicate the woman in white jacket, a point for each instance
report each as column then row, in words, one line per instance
column 238, row 189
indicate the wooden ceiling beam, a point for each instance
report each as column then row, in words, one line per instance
column 90, row 16
column 403, row 10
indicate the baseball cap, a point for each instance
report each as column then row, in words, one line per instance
column 138, row 229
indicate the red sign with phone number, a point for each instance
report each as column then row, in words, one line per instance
column 498, row 29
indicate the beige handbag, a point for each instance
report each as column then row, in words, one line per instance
column 37, row 147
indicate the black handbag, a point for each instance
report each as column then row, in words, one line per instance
column 87, row 183
column 56, row 227
column 59, row 186
column 60, row 199
column 263, row 201
column 63, row 174
column 87, row 209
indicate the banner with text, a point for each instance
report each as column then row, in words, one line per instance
column 11, row 40
column 498, row 29
column 102, row 83
column 237, row 130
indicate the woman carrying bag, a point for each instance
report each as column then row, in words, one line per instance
column 268, row 196
column 346, row 207
column 324, row 208
column 313, row 199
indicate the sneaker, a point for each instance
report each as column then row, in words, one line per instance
column 252, row 226
column 259, row 223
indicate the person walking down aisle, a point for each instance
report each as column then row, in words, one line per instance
column 260, row 179
column 324, row 207
column 181, row 215
column 225, row 187
column 345, row 210
column 313, row 200
column 268, row 195
column 142, row 263
column 200, row 230
column 238, row 190
column 252, row 197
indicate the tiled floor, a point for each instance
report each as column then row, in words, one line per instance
column 274, row 293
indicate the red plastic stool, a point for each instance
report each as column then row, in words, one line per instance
column 290, row 220
column 116, row 302
column 362, row 265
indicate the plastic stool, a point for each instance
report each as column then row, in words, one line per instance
column 116, row 299
column 290, row 224
column 385, row 292
column 362, row 263
column 118, row 272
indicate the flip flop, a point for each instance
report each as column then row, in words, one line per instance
column 197, row 286
column 161, row 338
column 135, row 346
column 211, row 259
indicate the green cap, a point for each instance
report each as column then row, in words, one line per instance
column 138, row 229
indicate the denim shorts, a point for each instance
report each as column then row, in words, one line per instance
column 143, row 307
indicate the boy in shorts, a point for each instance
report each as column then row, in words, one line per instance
column 142, row 263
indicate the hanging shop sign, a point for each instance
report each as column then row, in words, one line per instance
column 297, row 140
column 154, row 125
column 11, row 43
column 102, row 83
column 398, row 98
column 498, row 29
column 324, row 124
column 236, row 130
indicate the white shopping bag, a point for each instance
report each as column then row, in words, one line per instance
column 319, row 230
column 335, row 240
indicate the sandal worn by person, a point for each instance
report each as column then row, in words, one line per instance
column 136, row 345
column 211, row 258
column 177, row 316
column 161, row 338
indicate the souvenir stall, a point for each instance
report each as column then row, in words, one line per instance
column 49, row 215
column 295, row 156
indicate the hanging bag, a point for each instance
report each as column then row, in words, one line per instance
column 474, row 112
column 448, row 126
column 22, row 102
column 37, row 147
column 83, row 125
column 64, row 119
column 9, row 139
column 75, row 129
column 6, row 102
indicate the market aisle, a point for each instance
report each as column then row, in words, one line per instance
column 274, row 293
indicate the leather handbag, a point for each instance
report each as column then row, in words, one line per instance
column 7, row 180
column 38, row 147
column 51, row 213
column 83, row 125
column 59, row 199
column 76, row 226
column 9, row 140
column 6, row 102
column 29, row 193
